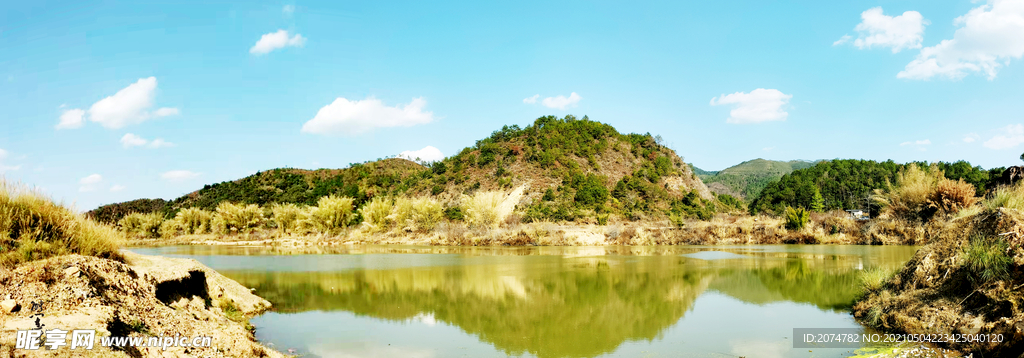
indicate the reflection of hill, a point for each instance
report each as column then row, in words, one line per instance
column 578, row 307
column 794, row 282
column 553, row 306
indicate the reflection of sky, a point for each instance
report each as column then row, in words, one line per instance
column 343, row 334
column 718, row 326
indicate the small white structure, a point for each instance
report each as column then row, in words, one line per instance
column 858, row 214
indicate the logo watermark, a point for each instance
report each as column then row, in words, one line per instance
column 52, row 339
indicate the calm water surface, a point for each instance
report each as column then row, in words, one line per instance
column 686, row 301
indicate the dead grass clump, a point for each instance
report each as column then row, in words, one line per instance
column 32, row 227
column 426, row 213
column 895, row 231
column 952, row 196
column 483, row 209
column 909, row 197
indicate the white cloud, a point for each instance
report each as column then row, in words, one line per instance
column 879, row 30
column 561, row 102
column 166, row 111
column 91, row 179
column 5, row 168
column 988, row 37
column 3, row 154
column 760, row 105
column 131, row 140
column 842, row 40
column 918, row 144
column 353, row 117
column 89, row 182
column 971, row 137
column 71, row 119
column 179, row 175
column 128, row 106
column 767, row 149
column 288, row 9
column 116, row 188
column 427, row 154
column 531, row 100
column 1012, row 136
column 160, row 143
column 275, row 40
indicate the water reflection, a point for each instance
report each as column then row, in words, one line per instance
column 549, row 301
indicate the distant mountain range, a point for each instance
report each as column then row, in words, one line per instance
column 747, row 179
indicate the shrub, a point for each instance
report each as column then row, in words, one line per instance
column 194, row 220
column 483, row 209
column 142, row 225
column 986, row 258
column 231, row 217
column 874, row 280
column 32, row 227
column 376, row 214
column 952, row 196
column 454, row 213
column 170, row 228
column 330, row 215
column 402, row 214
column 427, row 212
column 796, row 218
column 1010, row 197
column 286, row 216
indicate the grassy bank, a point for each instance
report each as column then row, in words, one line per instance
column 33, row 227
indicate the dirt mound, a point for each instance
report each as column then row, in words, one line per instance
column 968, row 280
column 149, row 296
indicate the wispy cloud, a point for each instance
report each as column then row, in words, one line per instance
column 89, row 182
column 276, row 40
column 71, row 119
column 179, row 175
column 1011, row 136
column 131, row 140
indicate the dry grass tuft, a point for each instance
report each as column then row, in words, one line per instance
column 32, row 227
column 194, row 220
column 376, row 214
column 235, row 218
column 952, row 196
column 330, row 215
column 141, row 225
column 286, row 216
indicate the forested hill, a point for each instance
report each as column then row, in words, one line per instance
column 573, row 168
column 846, row 183
column 747, row 179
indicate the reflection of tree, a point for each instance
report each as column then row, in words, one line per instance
column 554, row 306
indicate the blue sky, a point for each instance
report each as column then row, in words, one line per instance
column 109, row 101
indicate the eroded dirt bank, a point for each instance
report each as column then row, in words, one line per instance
column 146, row 296
column 967, row 280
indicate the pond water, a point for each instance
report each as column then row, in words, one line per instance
column 684, row 301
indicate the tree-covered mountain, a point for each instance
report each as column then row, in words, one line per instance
column 573, row 169
column 747, row 179
column 847, row 183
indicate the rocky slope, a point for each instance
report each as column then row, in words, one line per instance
column 146, row 296
column 967, row 280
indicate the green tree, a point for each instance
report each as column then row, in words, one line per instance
column 817, row 202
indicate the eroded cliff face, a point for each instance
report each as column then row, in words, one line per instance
column 146, row 296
